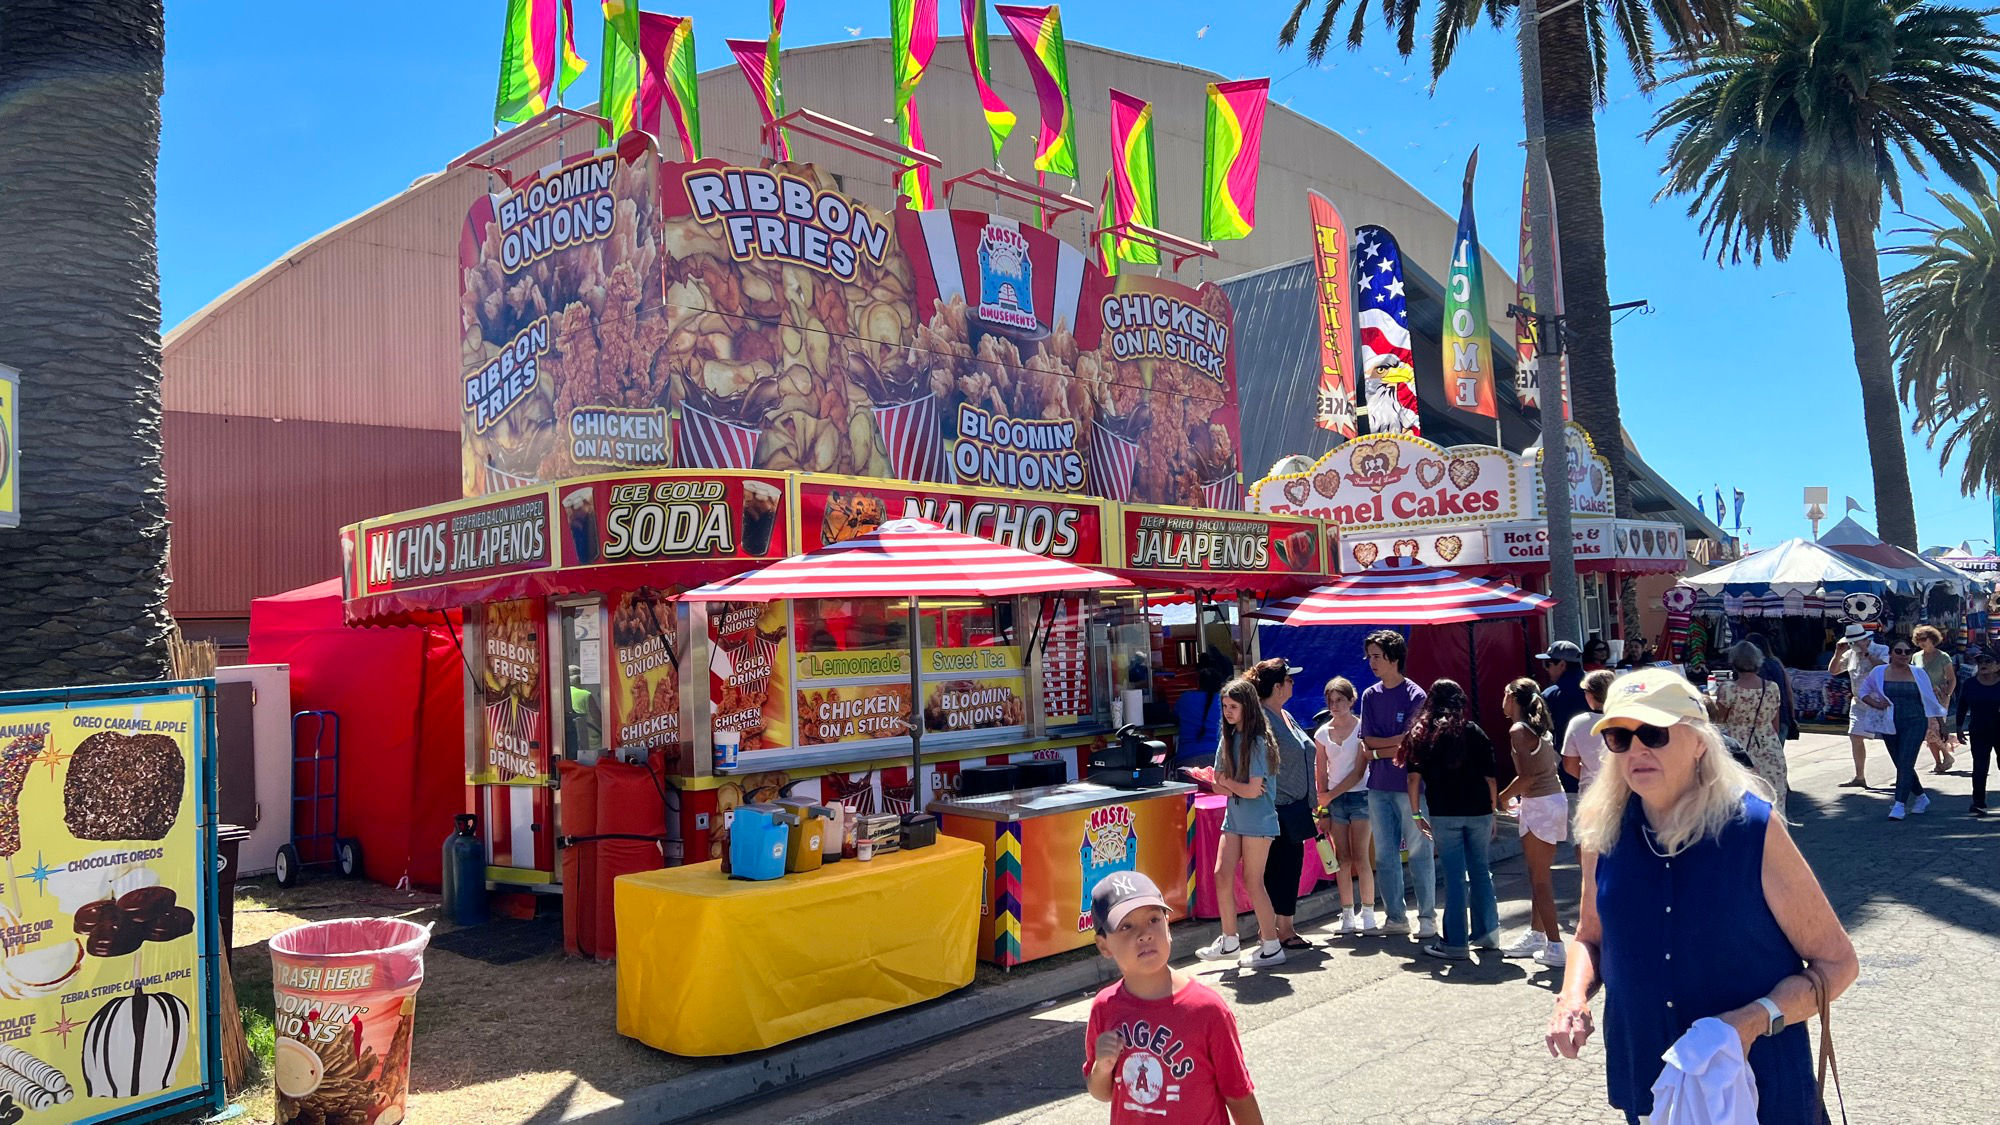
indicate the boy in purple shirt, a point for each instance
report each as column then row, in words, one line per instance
column 1388, row 711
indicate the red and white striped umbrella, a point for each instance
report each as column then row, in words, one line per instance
column 906, row 558
column 1400, row 591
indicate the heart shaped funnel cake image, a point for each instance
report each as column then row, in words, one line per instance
column 1374, row 464
column 1430, row 472
column 1366, row 553
column 1464, row 471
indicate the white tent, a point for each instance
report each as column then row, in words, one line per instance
column 1799, row 566
column 1855, row 541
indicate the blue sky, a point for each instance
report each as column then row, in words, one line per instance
column 280, row 122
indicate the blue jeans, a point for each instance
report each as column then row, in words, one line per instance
column 1464, row 844
column 1389, row 819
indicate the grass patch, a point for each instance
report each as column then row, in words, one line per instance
column 263, row 1037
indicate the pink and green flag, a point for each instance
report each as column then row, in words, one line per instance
column 913, row 31
column 1038, row 32
column 618, row 70
column 1135, row 186
column 1235, row 143
column 999, row 119
column 667, row 87
column 532, row 74
column 751, row 55
column 774, row 77
column 1107, row 243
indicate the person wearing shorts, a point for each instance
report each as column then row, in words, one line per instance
column 1342, row 771
column 1543, row 812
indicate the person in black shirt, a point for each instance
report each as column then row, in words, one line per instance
column 1979, row 721
column 1451, row 764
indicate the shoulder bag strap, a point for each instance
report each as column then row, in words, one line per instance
column 1826, row 1059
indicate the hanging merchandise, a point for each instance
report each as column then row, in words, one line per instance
column 1336, row 326
column 1038, row 32
column 1386, row 360
column 667, row 85
column 532, row 77
column 1135, row 187
column 1527, row 333
column 752, row 57
column 913, row 30
column 618, row 71
column 999, row 119
column 1235, row 142
column 1468, row 347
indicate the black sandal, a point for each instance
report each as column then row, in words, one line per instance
column 1297, row 942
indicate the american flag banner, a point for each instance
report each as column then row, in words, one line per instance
column 1390, row 377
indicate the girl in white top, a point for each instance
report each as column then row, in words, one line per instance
column 1340, row 769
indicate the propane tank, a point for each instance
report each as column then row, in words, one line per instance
column 465, row 874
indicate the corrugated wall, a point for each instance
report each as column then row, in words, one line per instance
column 257, row 505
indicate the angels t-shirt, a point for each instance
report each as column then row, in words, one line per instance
column 1182, row 1056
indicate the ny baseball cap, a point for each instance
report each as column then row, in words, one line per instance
column 1562, row 650
column 1657, row 697
column 1119, row 894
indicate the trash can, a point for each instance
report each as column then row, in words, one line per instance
column 228, row 844
column 346, row 1009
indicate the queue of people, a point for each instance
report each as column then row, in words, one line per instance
column 1698, row 912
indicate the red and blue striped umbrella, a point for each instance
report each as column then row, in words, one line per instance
column 1401, row 591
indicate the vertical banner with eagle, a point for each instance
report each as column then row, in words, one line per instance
column 1336, row 324
column 1468, row 343
column 1388, row 373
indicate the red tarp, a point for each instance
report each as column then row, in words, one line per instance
column 400, row 696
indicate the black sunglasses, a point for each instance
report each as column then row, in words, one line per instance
column 1618, row 739
column 1899, row 650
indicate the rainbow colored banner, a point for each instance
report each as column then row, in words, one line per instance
column 1235, row 137
column 1136, row 188
column 1038, row 32
column 999, row 119
column 618, row 73
column 752, row 56
column 667, row 80
column 531, row 75
column 913, row 31
column 1468, row 345
column 1331, row 254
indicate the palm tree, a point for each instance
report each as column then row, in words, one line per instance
column 83, row 591
column 1944, row 325
column 1810, row 117
column 1576, row 51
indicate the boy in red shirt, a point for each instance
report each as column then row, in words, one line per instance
column 1161, row 1046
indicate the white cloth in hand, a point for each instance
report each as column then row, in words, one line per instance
column 1706, row 1080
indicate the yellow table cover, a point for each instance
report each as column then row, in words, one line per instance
column 709, row 965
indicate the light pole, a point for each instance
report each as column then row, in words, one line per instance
column 1567, row 622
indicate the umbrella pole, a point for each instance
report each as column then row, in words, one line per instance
column 1472, row 664
column 918, row 804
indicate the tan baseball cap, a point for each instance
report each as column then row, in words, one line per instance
column 1659, row 697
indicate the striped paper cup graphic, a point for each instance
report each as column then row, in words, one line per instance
column 500, row 480
column 1112, row 460
column 703, row 441
column 1223, row 492
column 914, row 440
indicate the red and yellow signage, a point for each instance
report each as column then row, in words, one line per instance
column 749, row 673
column 852, row 713
column 451, row 543
column 673, row 517
column 645, row 673
column 1175, row 541
column 514, row 723
column 831, row 510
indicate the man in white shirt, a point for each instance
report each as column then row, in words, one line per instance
column 1857, row 654
column 1583, row 751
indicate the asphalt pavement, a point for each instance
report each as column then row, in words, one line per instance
column 1369, row 1030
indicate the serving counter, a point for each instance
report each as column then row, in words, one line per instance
column 1046, row 848
column 709, row 965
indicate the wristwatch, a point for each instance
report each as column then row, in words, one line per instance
column 1776, row 1013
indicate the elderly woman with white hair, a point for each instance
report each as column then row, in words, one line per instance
column 1696, row 904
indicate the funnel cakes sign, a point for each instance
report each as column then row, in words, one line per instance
column 619, row 313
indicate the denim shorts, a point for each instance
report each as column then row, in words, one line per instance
column 1251, row 816
column 1349, row 806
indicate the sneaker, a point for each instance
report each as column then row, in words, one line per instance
column 1552, row 955
column 1896, row 811
column 1350, row 923
column 1427, row 928
column 1264, row 956
column 1221, row 949
column 1487, row 941
column 1443, row 952
column 1528, row 946
column 1923, row 804
column 1395, row 925
column 1977, row 810
column 1369, row 923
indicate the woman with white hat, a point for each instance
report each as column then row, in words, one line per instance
column 1696, row 905
column 1855, row 656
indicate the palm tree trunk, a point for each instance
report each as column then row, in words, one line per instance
column 1895, row 511
column 1568, row 107
column 83, row 594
